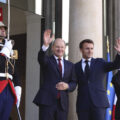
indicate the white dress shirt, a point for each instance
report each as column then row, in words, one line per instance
column 84, row 64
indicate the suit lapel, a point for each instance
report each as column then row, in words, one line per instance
column 55, row 64
column 92, row 67
column 80, row 66
column 92, row 63
column 65, row 68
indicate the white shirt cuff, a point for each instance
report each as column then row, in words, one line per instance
column 44, row 48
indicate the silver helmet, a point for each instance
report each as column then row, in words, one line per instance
column 3, row 25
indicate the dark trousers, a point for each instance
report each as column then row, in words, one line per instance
column 53, row 112
column 92, row 112
column 6, row 103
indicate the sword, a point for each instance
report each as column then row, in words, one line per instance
column 8, row 34
column 18, row 112
column 8, row 37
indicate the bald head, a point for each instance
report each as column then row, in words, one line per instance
column 58, row 40
column 58, row 47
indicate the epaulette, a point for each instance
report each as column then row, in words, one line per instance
column 15, row 55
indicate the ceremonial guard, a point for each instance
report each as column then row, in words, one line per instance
column 10, row 89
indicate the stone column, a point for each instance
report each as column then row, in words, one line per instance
column 32, row 66
column 31, row 6
column 47, row 13
column 113, row 26
column 110, row 24
column 117, row 18
column 85, row 22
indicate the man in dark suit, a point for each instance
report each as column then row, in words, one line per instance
column 92, row 100
column 59, row 79
column 116, row 83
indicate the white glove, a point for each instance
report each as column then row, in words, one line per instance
column 7, row 48
column 18, row 91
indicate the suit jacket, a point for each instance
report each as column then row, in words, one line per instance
column 93, row 89
column 116, row 83
column 47, row 95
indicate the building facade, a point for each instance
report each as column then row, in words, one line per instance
column 93, row 19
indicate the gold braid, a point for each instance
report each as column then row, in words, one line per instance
column 6, row 68
column 12, row 65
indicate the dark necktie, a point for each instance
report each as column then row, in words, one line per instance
column 87, row 68
column 60, row 66
column 60, row 69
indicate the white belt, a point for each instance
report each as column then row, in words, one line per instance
column 6, row 75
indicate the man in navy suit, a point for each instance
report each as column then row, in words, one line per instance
column 59, row 78
column 92, row 100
